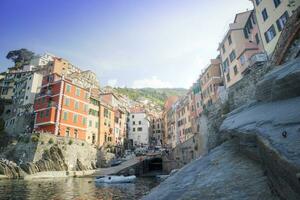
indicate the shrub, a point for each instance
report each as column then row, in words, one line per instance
column 26, row 139
column 51, row 141
column 34, row 138
column 82, row 144
column 70, row 142
column 42, row 142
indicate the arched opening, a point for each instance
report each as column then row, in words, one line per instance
column 155, row 164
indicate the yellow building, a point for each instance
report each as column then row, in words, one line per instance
column 271, row 17
column 106, row 132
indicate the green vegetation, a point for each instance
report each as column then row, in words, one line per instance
column 156, row 95
column 20, row 57
column 34, row 138
column 51, row 141
column 70, row 142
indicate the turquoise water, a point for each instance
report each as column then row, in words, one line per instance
column 73, row 188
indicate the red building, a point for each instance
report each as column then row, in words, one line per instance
column 61, row 107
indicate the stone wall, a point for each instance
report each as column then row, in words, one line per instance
column 46, row 152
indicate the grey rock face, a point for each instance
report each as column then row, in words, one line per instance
column 281, row 83
column 224, row 173
column 10, row 169
column 259, row 129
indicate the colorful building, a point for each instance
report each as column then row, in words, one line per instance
column 271, row 18
column 241, row 42
column 106, row 133
column 210, row 80
column 61, row 108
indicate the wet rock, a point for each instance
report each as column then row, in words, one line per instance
column 10, row 169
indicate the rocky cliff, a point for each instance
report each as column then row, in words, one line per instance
column 45, row 152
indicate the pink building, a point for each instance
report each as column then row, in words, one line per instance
column 241, row 48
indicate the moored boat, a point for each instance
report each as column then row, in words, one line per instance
column 116, row 179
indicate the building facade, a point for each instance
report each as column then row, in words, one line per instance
column 61, row 108
column 210, row 80
column 139, row 126
column 271, row 17
column 240, row 43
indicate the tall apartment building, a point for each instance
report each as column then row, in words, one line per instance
column 121, row 112
column 93, row 120
column 107, row 117
column 157, row 130
column 62, row 107
column 139, row 126
column 210, row 80
column 170, row 138
column 271, row 17
column 183, row 117
column 241, row 42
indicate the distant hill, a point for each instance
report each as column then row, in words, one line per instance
column 156, row 95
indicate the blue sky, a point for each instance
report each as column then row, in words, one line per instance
column 133, row 43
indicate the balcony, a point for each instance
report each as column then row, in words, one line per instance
column 257, row 59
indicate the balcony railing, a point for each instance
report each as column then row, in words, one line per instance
column 257, row 58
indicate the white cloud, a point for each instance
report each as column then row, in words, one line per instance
column 153, row 82
column 112, row 82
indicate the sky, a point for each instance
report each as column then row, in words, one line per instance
column 127, row 43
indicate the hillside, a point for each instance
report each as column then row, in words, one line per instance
column 156, row 95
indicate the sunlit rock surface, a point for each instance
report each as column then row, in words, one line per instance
column 224, row 173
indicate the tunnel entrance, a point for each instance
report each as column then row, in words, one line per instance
column 155, row 164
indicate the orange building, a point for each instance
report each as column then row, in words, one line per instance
column 61, row 107
column 106, row 132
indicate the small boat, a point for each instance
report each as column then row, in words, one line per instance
column 115, row 163
column 115, row 179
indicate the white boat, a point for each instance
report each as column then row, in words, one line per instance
column 116, row 179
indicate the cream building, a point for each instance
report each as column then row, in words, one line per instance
column 271, row 17
column 241, row 42
column 93, row 120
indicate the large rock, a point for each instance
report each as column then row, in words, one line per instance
column 224, row 173
column 281, row 83
column 270, row 133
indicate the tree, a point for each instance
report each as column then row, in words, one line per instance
column 20, row 57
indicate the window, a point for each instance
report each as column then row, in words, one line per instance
column 77, row 92
column 41, row 114
column 276, row 3
column 105, row 113
column 133, row 130
column 67, row 101
column 223, row 48
column 140, row 129
column 228, row 77
column 232, row 56
column 76, row 105
column 257, row 2
column 90, row 123
column 68, row 88
column 76, row 133
column 133, row 122
column 96, row 125
column 235, row 70
column 229, row 40
column 85, row 108
column 140, row 122
column 270, row 34
column 225, row 65
column 68, row 132
column 282, row 20
column 84, row 121
column 257, row 38
column 86, row 95
column 242, row 59
column 132, row 116
column 264, row 14
column 47, row 113
column 75, row 118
